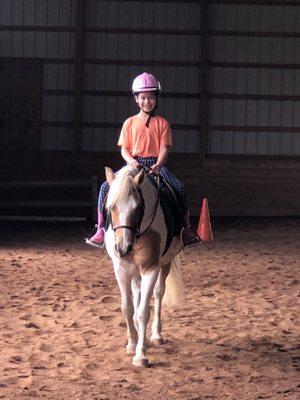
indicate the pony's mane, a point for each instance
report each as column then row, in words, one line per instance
column 122, row 186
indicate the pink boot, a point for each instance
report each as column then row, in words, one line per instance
column 97, row 240
column 188, row 236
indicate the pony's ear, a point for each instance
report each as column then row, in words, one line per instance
column 110, row 176
column 138, row 179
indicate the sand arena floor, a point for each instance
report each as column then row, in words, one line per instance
column 62, row 334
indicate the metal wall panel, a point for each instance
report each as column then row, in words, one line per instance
column 143, row 47
column 128, row 46
column 143, row 14
column 119, row 77
column 263, row 81
column 57, row 45
column 58, row 77
column 56, row 138
column 37, row 12
column 109, row 109
column 102, row 138
column 270, row 144
column 58, row 109
column 253, row 70
column 35, row 30
column 255, row 113
column 255, row 49
column 262, row 90
column 243, row 17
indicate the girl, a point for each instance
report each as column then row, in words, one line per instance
column 145, row 140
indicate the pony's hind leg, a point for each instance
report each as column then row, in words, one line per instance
column 124, row 282
column 148, row 281
column 159, row 290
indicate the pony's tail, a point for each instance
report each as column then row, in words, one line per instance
column 173, row 297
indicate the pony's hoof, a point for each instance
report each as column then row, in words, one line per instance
column 130, row 349
column 157, row 342
column 140, row 362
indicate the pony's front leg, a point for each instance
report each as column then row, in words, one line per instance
column 136, row 295
column 159, row 291
column 124, row 282
column 148, row 281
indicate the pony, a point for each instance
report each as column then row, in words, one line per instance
column 135, row 241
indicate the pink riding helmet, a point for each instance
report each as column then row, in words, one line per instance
column 145, row 83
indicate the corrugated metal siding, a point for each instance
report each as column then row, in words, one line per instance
column 252, row 81
column 143, row 14
column 47, row 45
column 255, row 113
column 257, row 87
column 253, row 105
column 125, row 48
column 37, row 12
column 243, row 17
column 255, row 49
column 274, row 143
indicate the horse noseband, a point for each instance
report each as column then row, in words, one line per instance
column 135, row 229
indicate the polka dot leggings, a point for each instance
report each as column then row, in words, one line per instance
column 167, row 175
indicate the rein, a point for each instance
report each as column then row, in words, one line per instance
column 136, row 229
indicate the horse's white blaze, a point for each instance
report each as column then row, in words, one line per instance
column 127, row 234
column 137, row 283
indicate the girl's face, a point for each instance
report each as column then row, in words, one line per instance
column 146, row 101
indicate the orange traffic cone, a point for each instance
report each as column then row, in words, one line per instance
column 204, row 227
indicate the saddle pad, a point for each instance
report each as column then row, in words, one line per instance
column 171, row 210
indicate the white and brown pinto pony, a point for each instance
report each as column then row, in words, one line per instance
column 135, row 241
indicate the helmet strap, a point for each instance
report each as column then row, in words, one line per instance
column 150, row 114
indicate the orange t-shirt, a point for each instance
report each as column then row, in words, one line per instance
column 145, row 141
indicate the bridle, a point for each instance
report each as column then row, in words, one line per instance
column 134, row 229
column 137, row 228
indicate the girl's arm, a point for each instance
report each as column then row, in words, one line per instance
column 128, row 157
column 162, row 158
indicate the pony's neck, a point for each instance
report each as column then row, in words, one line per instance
column 122, row 186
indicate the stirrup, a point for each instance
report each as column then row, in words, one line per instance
column 98, row 246
column 192, row 240
column 89, row 242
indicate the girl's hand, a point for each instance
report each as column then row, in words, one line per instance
column 155, row 168
column 134, row 163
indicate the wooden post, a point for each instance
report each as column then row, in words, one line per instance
column 95, row 197
column 202, row 144
column 78, row 75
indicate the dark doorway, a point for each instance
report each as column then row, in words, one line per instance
column 20, row 103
